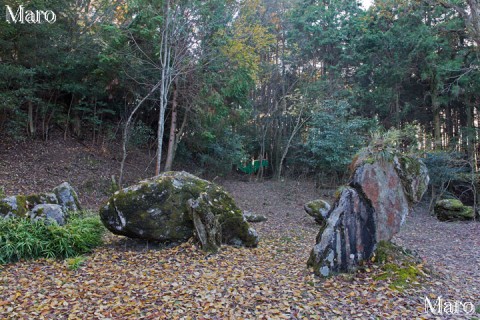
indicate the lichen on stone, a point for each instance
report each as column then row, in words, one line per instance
column 40, row 205
column 159, row 209
column 318, row 209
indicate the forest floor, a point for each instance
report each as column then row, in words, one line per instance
column 126, row 279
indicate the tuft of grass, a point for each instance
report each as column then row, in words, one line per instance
column 75, row 263
column 286, row 239
column 22, row 238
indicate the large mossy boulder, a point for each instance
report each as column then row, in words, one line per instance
column 167, row 207
column 372, row 208
column 54, row 205
column 453, row 210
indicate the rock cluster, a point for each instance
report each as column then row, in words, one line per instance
column 54, row 206
column 372, row 208
column 173, row 207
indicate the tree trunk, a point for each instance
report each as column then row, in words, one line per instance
column 298, row 125
column 173, row 128
column 125, row 132
column 470, row 134
column 277, row 144
column 437, row 127
column 31, row 124
column 67, row 121
column 166, row 77
column 47, row 125
column 94, row 125
column 397, row 109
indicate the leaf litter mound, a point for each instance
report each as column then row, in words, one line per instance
column 127, row 279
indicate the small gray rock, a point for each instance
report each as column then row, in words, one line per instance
column 252, row 217
column 49, row 212
column 8, row 207
column 318, row 209
column 67, row 197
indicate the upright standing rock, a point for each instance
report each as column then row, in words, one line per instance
column 380, row 183
column 67, row 197
column 373, row 208
column 349, row 236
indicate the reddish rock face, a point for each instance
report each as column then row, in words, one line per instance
column 371, row 209
column 380, row 184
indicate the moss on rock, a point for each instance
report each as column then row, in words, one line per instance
column 401, row 268
column 13, row 206
column 41, row 198
column 5, row 208
column 317, row 205
column 33, row 205
column 453, row 210
column 318, row 209
column 414, row 176
column 158, row 209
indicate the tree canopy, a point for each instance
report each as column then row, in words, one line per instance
column 300, row 83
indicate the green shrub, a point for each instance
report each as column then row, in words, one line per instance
column 22, row 238
column 333, row 137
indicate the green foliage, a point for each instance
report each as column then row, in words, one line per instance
column 248, row 39
column 384, row 145
column 75, row 263
column 221, row 151
column 334, row 135
column 22, row 238
column 400, row 276
column 397, row 62
column 140, row 135
column 444, row 167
